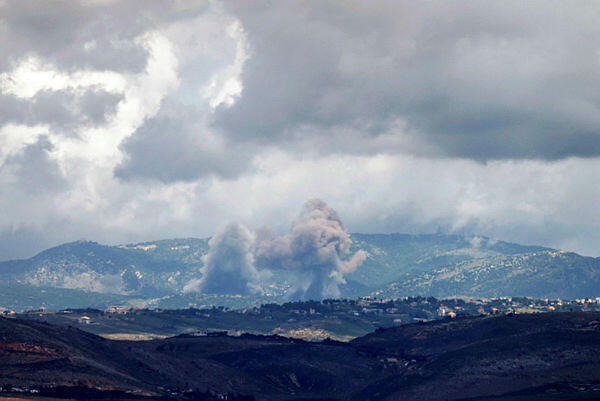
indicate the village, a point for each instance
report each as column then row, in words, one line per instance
column 312, row 320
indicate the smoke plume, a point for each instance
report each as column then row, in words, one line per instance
column 229, row 264
column 314, row 251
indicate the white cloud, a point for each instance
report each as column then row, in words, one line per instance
column 32, row 75
column 226, row 85
column 328, row 123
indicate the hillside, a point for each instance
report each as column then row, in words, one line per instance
column 394, row 256
column 149, row 269
column 549, row 356
column 153, row 274
column 544, row 274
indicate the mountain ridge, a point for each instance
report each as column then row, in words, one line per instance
column 154, row 273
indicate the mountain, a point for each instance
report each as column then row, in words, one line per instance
column 398, row 256
column 545, row 356
column 148, row 269
column 153, row 274
column 542, row 274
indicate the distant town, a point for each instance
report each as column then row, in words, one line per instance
column 310, row 320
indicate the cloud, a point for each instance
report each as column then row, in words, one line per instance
column 35, row 171
column 93, row 35
column 313, row 251
column 229, row 264
column 212, row 51
column 187, row 148
column 123, row 123
column 469, row 80
column 529, row 202
column 63, row 111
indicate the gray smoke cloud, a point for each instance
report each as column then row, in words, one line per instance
column 229, row 264
column 315, row 251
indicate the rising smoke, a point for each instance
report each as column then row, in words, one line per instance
column 314, row 251
column 229, row 264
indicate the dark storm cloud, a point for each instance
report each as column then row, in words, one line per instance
column 178, row 140
column 458, row 79
column 30, row 182
column 96, row 105
column 34, row 170
column 92, row 34
column 313, row 251
column 229, row 264
column 475, row 79
column 63, row 110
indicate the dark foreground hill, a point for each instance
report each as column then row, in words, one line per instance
column 551, row 356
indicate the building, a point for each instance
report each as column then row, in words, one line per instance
column 117, row 309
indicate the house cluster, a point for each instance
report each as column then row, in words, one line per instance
column 6, row 388
column 118, row 309
column 85, row 320
column 445, row 311
column 363, row 312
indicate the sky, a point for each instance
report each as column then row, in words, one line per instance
column 127, row 121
